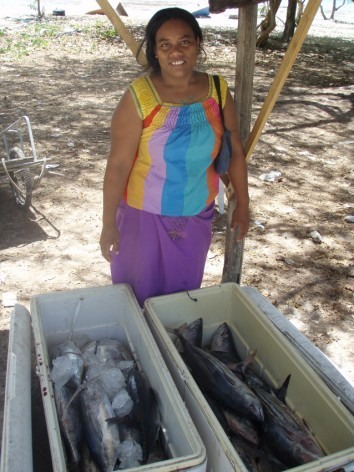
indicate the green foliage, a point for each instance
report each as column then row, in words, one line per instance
column 103, row 31
column 34, row 36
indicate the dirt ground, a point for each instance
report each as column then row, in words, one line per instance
column 67, row 74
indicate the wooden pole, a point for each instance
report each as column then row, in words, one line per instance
column 283, row 72
column 246, row 51
column 245, row 60
column 123, row 31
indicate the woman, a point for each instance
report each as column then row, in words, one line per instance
column 160, row 183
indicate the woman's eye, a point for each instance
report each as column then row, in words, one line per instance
column 185, row 42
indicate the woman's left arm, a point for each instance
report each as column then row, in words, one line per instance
column 237, row 171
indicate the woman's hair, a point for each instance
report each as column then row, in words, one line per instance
column 157, row 20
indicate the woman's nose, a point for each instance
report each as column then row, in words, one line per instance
column 176, row 49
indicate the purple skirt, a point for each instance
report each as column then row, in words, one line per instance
column 161, row 254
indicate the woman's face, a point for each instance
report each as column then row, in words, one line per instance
column 177, row 48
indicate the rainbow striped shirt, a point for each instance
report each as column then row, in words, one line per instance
column 172, row 174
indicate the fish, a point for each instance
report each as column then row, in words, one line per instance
column 267, row 460
column 241, row 369
column 130, row 450
column 87, row 464
column 223, row 341
column 67, row 364
column 256, row 459
column 241, row 426
column 112, row 350
column 145, row 413
column 220, row 382
column 285, row 433
column 247, row 453
column 68, row 411
column 192, row 332
column 102, row 436
column 66, row 347
column 233, row 423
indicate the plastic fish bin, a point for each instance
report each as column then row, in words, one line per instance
column 308, row 396
column 113, row 312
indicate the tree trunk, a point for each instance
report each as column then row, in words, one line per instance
column 268, row 24
column 289, row 28
column 246, row 51
column 334, row 9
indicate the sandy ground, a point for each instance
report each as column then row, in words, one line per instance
column 68, row 79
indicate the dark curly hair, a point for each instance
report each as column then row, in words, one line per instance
column 156, row 21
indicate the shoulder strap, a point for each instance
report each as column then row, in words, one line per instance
column 143, row 96
column 217, row 86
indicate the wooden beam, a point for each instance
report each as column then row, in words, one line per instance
column 246, row 50
column 122, row 30
column 245, row 60
column 218, row 6
column 283, row 72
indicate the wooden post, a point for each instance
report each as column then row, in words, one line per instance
column 123, row 31
column 283, row 72
column 246, row 50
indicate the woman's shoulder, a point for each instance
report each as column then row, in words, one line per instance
column 139, row 83
column 223, row 87
column 143, row 95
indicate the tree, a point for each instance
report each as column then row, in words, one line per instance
column 290, row 22
column 268, row 24
column 333, row 10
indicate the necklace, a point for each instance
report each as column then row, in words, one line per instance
column 188, row 101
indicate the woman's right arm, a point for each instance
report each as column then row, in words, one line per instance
column 126, row 130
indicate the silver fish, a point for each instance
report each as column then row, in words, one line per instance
column 112, row 350
column 241, row 426
column 192, row 332
column 102, row 436
column 222, row 340
column 64, row 352
column 217, row 379
column 145, row 411
column 284, row 432
column 68, row 411
column 256, row 459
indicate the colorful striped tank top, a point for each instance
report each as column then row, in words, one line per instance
column 173, row 172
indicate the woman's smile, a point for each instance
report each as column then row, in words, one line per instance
column 176, row 46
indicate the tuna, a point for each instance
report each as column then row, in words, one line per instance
column 220, row 382
column 102, row 436
column 145, row 413
column 285, row 434
column 222, row 341
column 68, row 410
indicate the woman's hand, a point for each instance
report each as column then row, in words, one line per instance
column 241, row 220
column 109, row 242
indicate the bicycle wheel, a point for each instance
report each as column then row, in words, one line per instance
column 23, row 182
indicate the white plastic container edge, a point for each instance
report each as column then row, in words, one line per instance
column 16, row 448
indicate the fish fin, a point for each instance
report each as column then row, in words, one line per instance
column 173, row 330
column 281, row 392
column 241, row 367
